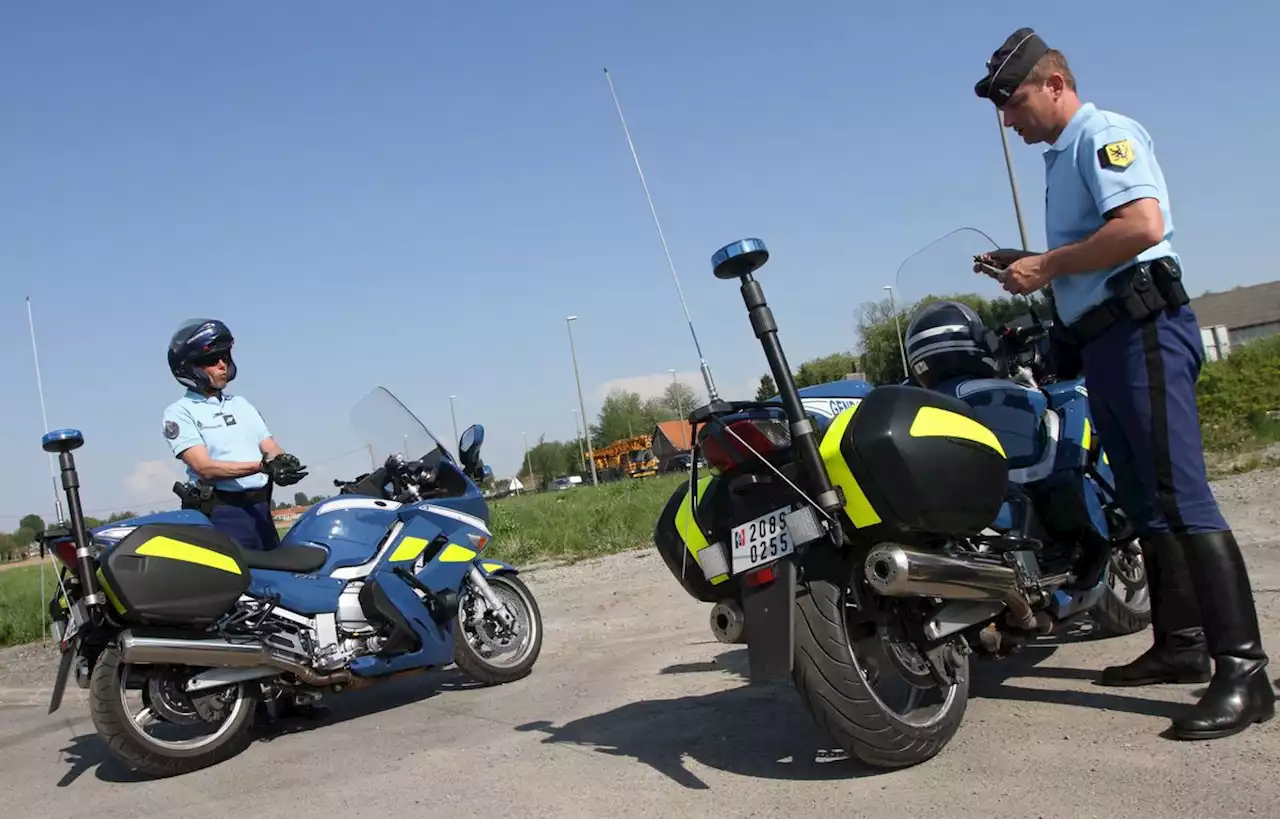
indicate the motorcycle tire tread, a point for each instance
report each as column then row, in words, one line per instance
column 106, row 711
column 838, row 698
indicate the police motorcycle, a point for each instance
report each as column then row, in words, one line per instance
column 387, row 578
column 870, row 550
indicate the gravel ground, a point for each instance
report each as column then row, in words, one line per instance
column 634, row 710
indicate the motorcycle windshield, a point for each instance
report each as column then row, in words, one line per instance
column 385, row 425
column 943, row 269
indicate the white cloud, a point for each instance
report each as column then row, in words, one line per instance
column 153, row 480
column 651, row 386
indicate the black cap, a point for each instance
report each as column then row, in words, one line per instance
column 1010, row 65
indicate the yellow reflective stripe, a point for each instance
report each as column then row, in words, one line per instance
column 856, row 506
column 718, row 579
column 934, row 422
column 1088, row 436
column 172, row 549
column 694, row 540
column 115, row 601
column 453, row 553
column 408, row 549
column 491, row 567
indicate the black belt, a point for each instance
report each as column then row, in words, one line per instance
column 245, row 497
column 1139, row 292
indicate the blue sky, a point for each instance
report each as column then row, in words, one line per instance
column 417, row 194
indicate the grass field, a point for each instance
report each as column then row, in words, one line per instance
column 572, row 525
column 20, row 603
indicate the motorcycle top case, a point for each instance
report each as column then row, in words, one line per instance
column 174, row 574
column 910, row 460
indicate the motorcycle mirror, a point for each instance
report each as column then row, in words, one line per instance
column 741, row 258
column 469, row 447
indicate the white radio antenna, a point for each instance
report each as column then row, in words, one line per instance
column 44, row 417
column 706, row 368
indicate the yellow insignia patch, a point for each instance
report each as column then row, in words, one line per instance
column 1116, row 154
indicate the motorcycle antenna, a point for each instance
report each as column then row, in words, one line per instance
column 712, row 395
column 44, row 416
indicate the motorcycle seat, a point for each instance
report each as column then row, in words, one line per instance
column 301, row 559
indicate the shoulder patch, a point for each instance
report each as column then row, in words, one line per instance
column 1116, row 154
column 170, row 430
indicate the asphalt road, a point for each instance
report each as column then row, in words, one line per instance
column 634, row 710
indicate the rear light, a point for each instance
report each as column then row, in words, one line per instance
column 759, row 577
column 725, row 449
column 66, row 552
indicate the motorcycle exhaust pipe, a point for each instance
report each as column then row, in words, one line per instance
column 214, row 652
column 897, row 571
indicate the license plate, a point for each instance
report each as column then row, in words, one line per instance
column 760, row 541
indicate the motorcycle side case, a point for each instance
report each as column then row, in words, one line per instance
column 173, row 574
column 914, row 461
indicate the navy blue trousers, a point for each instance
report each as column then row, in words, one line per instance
column 1142, row 393
column 250, row 525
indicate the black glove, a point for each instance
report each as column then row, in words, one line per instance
column 1006, row 256
column 284, row 469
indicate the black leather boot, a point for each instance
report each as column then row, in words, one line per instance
column 1178, row 653
column 1240, row 693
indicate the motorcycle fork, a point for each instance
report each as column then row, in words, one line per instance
column 477, row 580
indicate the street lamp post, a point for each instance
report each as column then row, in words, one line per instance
column 577, row 431
column 456, row 442
column 581, row 404
column 902, row 347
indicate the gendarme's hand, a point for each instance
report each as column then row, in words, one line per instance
column 1005, row 256
column 284, row 469
column 1025, row 275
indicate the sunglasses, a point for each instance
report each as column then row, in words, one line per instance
column 209, row 359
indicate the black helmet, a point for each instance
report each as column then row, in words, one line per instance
column 947, row 339
column 200, row 343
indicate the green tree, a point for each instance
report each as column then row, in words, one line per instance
column 550, row 460
column 300, row 499
column 767, row 388
column 624, row 415
column 34, row 523
column 9, row 548
column 680, row 399
column 826, row 368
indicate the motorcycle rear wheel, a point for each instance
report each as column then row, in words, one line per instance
column 123, row 732
column 836, row 684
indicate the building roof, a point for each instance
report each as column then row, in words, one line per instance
column 1241, row 307
column 677, row 432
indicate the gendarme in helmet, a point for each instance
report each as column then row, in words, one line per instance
column 200, row 343
column 946, row 340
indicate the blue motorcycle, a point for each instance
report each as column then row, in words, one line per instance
column 385, row 579
column 866, row 541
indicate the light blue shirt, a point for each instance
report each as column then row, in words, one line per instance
column 1100, row 161
column 229, row 427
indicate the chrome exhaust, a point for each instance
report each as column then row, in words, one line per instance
column 214, row 652
column 897, row 571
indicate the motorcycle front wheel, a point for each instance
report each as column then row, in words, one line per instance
column 860, row 695
column 487, row 651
